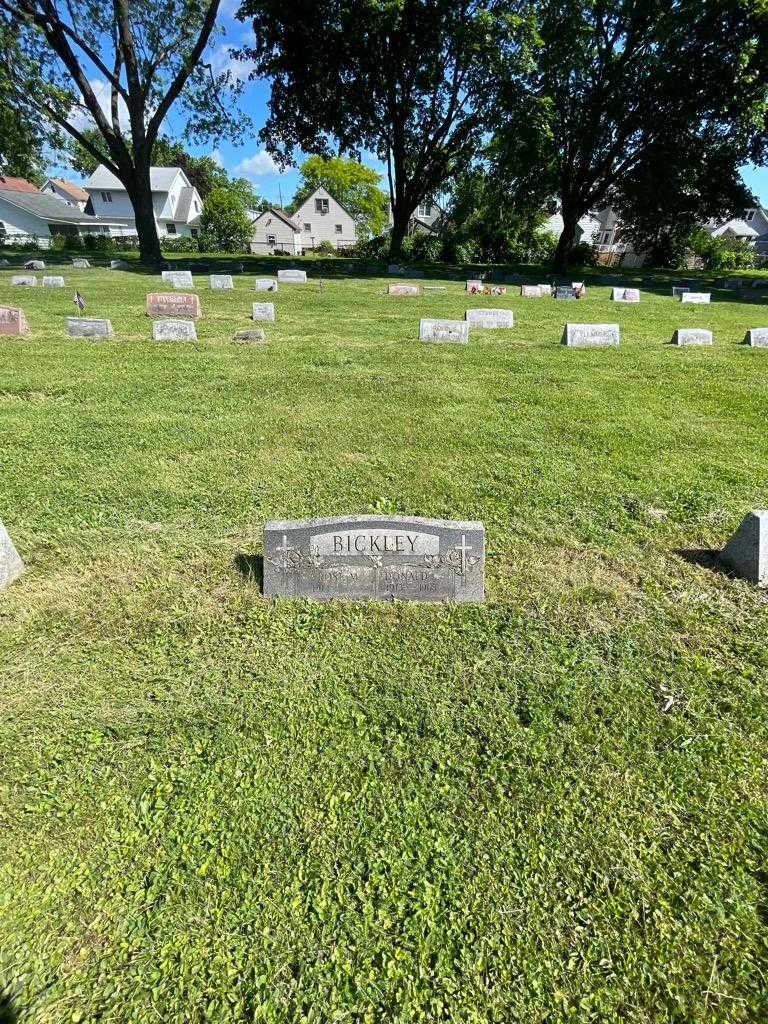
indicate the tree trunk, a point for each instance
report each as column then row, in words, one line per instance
column 400, row 218
column 144, row 213
column 567, row 240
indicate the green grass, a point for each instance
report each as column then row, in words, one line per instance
column 216, row 807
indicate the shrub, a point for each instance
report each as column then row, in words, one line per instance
column 723, row 253
column 467, row 252
column 179, row 243
column 98, row 243
column 326, row 248
column 432, row 249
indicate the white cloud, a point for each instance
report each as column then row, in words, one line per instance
column 223, row 63
column 79, row 116
column 216, row 157
column 261, row 163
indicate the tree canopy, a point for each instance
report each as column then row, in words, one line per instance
column 224, row 226
column 617, row 93
column 404, row 79
column 122, row 66
column 353, row 184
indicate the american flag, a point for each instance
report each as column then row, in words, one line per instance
column 79, row 301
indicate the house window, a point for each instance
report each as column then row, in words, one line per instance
column 193, row 232
column 606, row 238
column 170, row 229
column 197, row 206
column 750, row 215
column 425, row 210
column 307, row 227
column 2, row 230
column 337, row 228
column 321, row 206
column 106, row 197
column 271, row 240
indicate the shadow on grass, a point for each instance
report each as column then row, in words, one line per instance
column 9, row 1012
column 251, row 567
column 706, row 558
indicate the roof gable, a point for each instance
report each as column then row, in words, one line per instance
column 72, row 190
column 280, row 216
column 16, row 184
column 323, row 193
column 161, row 179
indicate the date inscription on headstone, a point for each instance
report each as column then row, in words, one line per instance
column 375, row 557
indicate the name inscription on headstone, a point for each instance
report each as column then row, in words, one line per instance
column 531, row 291
column 756, row 337
column 173, row 305
column 565, row 292
column 490, row 317
column 53, row 282
column 222, row 281
column 265, row 284
column 584, row 335
column 447, row 331
column 12, row 320
column 173, row 330
column 625, row 294
column 378, row 557
column 27, row 280
column 700, row 298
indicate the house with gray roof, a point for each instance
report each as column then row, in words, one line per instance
column 176, row 202
column 275, row 232
column 751, row 226
column 30, row 214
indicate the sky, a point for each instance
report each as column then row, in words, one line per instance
column 251, row 159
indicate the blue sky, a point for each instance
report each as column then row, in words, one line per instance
column 251, row 160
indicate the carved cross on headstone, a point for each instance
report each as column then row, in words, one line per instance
column 463, row 548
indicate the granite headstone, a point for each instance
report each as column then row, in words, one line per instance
column 692, row 336
column 700, row 298
column 292, row 276
column 54, row 281
column 403, row 289
column 757, row 337
column 173, row 330
column 564, row 291
column 178, row 278
column 746, row 553
column 11, row 565
column 34, row 265
column 12, row 320
column 447, row 331
column 173, row 304
column 254, row 335
column 586, row 335
column 625, row 295
column 221, row 281
column 263, row 311
column 375, row 557
column 25, row 280
column 265, row 284
column 490, row 318
column 81, row 264
column 88, row 327
column 531, row 291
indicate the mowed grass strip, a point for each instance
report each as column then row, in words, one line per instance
column 216, row 807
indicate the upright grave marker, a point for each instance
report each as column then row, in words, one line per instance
column 265, row 284
column 54, row 281
column 564, row 291
column 490, row 318
column 475, row 287
column 174, row 330
column 221, row 281
column 292, row 276
column 757, row 337
column 178, row 278
column 375, row 557
column 24, row 280
column 700, row 298
column 625, row 295
column 81, row 264
column 34, row 265
column 11, row 565
column 544, row 289
column 118, row 265
column 691, row 336
column 747, row 550
column 585, row 335
column 531, row 291
column 678, row 291
column 403, row 289
column 12, row 320
column 88, row 327
column 173, row 304
column 263, row 311
column 444, row 331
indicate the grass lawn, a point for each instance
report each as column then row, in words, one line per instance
column 216, row 807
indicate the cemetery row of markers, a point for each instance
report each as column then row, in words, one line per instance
column 177, row 311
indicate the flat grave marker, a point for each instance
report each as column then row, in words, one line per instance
column 444, row 331
column 263, row 311
column 747, row 550
column 586, row 335
column 178, row 278
column 375, row 557
column 53, row 281
column 292, row 276
column 118, row 265
column 24, row 280
column 757, row 337
column 88, row 327
column 692, row 336
column 403, row 289
column 11, row 565
column 434, row 288
column 13, row 320
column 255, row 335
column 700, row 298
column 490, row 318
column 173, row 305
column 222, row 282
column 265, row 284
column 174, row 330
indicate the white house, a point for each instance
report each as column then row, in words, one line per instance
column 26, row 213
column 177, row 203
column 751, row 227
column 67, row 191
column 275, row 232
column 322, row 218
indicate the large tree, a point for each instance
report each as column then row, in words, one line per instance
column 145, row 54
column 353, row 184
column 21, row 138
column 405, row 79
column 607, row 81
